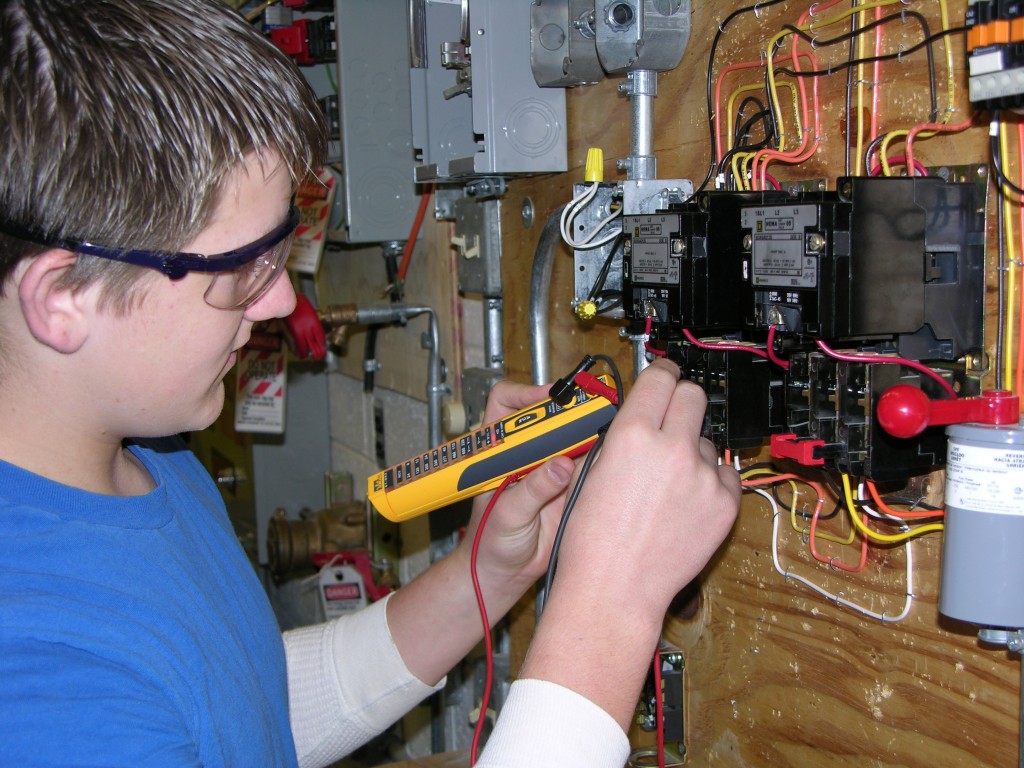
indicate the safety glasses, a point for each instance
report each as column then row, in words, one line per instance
column 240, row 276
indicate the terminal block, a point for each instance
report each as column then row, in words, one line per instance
column 995, row 54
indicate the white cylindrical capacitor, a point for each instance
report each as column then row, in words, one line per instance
column 983, row 552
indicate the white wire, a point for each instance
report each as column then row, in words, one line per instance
column 884, row 516
column 572, row 210
column 836, row 598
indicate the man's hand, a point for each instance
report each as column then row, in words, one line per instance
column 655, row 507
column 517, row 537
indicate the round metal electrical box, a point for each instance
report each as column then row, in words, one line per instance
column 982, row 558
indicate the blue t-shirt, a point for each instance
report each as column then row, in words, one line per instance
column 133, row 631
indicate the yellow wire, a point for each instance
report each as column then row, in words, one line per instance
column 858, row 168
column 1009, row 362
column 883, row 151
column 803, row 530
column 747, row 88
column 731, row 108
column 841, row 16
column 950, row 80
column 875, row 535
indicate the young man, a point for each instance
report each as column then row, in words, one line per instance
column 148, row 154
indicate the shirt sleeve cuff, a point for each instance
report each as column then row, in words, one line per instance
column 543, row 723
column 347, row 682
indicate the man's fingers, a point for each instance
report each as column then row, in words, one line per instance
column 651, row 394
column 537, row 488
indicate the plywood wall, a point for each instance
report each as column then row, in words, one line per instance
column 775, row 674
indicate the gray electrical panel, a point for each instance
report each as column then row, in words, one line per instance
column 378, row 187
column 477, row 110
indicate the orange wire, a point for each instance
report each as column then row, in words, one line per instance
column 956, row 127
column 414, row 233
column 808, row 142
column 883, row 507
column 758, row 181
column 831, row 561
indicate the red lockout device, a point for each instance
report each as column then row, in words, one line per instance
column 905, row 411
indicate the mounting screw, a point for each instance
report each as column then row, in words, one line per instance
column 526, row 213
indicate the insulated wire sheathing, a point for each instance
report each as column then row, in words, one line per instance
column 886, row 359
column 838, row 599
column 482, row 607
column 770, row 349
column 896, row 513
column 1019, row 372
column 1009, row 328
column 723, row 345
column 573, row 209
column 888, row 538
column 647, row 344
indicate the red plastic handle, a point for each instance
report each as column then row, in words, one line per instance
column 905, row 411
column 305, row 331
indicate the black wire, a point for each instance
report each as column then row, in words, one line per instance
column 608, row 300
column 769, row 117
column 997, row 161
column 738, row 132
column 849, row 90
column 870, row 59
column 569, row 504
column 925, row 30
column 710, row 79
column 806, row 515
column 571, row 501
column 603, row 274
column 870, row 150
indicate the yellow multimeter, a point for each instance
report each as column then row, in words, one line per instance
column 478, row 461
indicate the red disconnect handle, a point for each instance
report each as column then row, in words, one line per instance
column 905, row 411
column 305, row 331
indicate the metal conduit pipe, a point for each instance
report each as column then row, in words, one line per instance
column 399, row 313
column 540, row 292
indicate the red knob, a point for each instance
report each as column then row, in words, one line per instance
column 305, row 331
column 905, row 411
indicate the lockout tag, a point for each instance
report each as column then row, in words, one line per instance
column 314, row 199
column 341, row 590
column 260, row 391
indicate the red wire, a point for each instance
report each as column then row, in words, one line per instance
column 488, row 642
column 647, row 345
column 723, row 345
column 1019, row 370
column 770, row 349
column 414, row 233
column 919, row 168
column 659, row 708
column 883, row 507
column 867, row 358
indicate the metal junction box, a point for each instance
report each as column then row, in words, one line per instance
column 477, row 110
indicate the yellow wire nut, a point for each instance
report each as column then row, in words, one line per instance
column 594, row 170
column 586, row 310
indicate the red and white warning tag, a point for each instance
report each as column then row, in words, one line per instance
column 260, row 393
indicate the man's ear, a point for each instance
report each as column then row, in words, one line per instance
column 56, row 315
